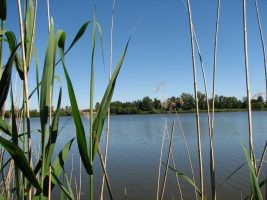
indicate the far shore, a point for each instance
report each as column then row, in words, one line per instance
column 86, row 115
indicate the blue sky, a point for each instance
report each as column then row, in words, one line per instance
column 158, row 62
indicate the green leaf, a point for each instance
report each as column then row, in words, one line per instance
column 3, row 10
column 37, row 75
column 53, row 134
column 47, row 81
column 5, row 127
column 6, row 78
column 21, row 162
column 80, row 133
column 12, row 42
column 232, row 174
column 101, row 41
column 186, row 178
column 66, row 191
column 58, row 166
column 15, row 141
column 254, row 181
column 105, row 103
column 78, row 35
column 29, row 31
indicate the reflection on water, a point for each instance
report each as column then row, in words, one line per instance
column 135, row 142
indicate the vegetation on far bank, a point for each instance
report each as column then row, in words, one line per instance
column 185, row 103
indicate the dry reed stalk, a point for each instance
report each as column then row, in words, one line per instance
column 248, row 84
column 177, row 178
column 168, row 162
column 261, row 161
column 263, row 46
column 26, row 93
column 188, row 153
column 215, row 62
column 104, row 168
column 108, row 117
column 196, row 102
column 160, row 159
column 212, row 164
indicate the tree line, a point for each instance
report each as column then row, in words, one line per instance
column 185, row 102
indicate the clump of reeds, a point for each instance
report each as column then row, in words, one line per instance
column 39, row 179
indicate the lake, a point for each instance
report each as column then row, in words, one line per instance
column 134, row 151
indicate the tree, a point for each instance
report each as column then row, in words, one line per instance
column 157, row 104
column 188, row 101
column 201, row 101
column 147, row 104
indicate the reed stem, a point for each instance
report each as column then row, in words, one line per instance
column 196, row 102
column 212, row 164
column 25, row 88
column 168, row 162
column 108, row 115
column 248, row 83
column 263, row 47
column 160, row 158
column 91, row 186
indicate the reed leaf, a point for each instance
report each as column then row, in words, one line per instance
column 58, row 166
column 20, row 161
column 67, row 191
column 47, row 80
column 76, row 39
column 232, row 174
column 6, row 78
column 80, row 133
column 15, row 141
column 53, row 134
column 254, row 181
column 12, row 42
column 3, row 166
column 186, row 178
column 104, row 105
column 101, row 41
column 78, row 35
column 29, row 31
column 3, row 9
column 5, row 127
column 37, row 76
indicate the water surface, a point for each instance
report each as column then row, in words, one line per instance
column 135, row 142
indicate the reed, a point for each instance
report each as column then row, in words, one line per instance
column 188, row 153
column 196, row 102
column 160, row 158
column 252, row 157
column 108, row 115
column 168, row 162
column 262, row 44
